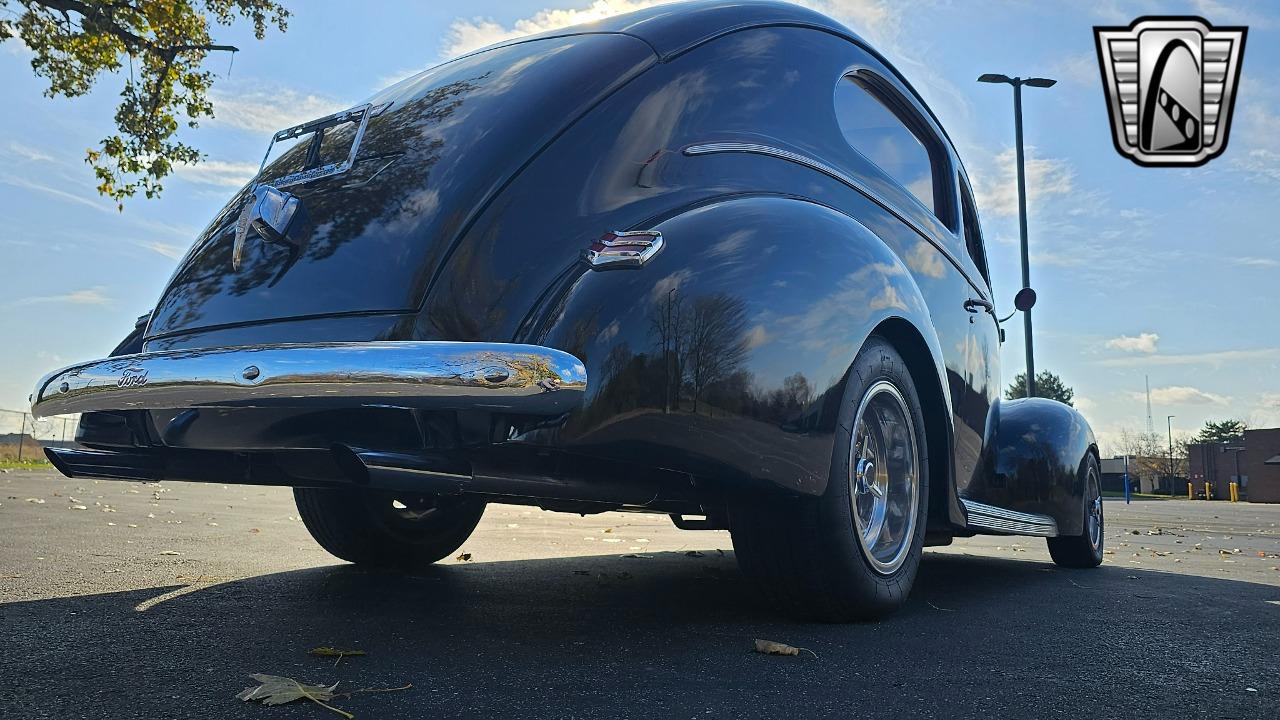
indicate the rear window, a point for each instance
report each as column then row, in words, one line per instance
column 873, row 128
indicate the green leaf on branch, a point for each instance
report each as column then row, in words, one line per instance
column 162, row 45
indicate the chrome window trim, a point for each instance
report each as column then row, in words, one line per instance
column 896, row 103
column 815, row 164
column 990, row 517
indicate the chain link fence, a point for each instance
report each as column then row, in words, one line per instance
column 24, row 438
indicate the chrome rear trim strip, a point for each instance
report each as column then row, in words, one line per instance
column 990, row 517
column 526, row 379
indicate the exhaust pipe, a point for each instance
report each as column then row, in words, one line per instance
column 448, row 475
column 75, row 463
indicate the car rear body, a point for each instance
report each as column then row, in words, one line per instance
column 708, row 370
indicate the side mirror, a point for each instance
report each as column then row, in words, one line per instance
column 1025, row 299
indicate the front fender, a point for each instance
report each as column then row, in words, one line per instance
column 1034, row 461
column 725, row 356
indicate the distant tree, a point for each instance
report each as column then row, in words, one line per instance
column 1222, row 431
column 1048, row 385
column 163, row 44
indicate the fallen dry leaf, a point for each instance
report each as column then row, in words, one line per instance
column 327, row 651
column 769, row 647
column 463, row 557
column 277, row 690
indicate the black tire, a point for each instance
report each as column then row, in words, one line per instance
column 806, row 553
column 386, row 529
column 1084, row 550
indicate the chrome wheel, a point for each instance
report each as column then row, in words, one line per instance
column 884, row 480
column 1093, row 518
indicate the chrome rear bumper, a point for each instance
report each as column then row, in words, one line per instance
column 505, row 377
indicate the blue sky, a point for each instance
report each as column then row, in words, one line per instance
column 1170, row 273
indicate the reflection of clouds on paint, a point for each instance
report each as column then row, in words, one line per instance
column 757, row 336
column 668, row 284
column 861, row 293
column 609, row 332
column 925, row 259
column 731, row 245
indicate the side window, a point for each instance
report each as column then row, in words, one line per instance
column 973, row 231
column 886, row 134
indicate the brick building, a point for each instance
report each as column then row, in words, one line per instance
column 1259, row 472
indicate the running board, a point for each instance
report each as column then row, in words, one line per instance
column 989, row 517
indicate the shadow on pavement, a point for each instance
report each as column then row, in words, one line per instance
column 669, row 635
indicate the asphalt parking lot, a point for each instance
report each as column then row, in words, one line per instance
column 126, row 600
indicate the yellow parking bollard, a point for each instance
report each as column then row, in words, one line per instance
column 1191, row 495
column 1235, row 492
column 1208, row 491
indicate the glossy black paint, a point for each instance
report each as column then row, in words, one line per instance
column 1035, row 460
column 722, row 359
column 447, row 142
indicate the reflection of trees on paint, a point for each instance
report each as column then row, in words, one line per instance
column 715, row 341
column 401, row 146
column 696, row 363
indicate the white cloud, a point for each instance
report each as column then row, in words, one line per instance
column 27, row 152
column 56, row 192
column 269, row 110
column 1080, row 69
column 166, row 249
column 1083, row 404
column 1143, row 342
column 1181, row 395
column 218, row 172
column 467, row 35
column 1231, row 14
column 1256, row 262
column 998, row 191
column 87, row 296
column 1212, row 358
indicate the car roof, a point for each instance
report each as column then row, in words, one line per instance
column 674, row 28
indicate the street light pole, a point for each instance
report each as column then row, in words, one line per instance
column 1169, row 423
column 1022, row 237
column 1017, row 84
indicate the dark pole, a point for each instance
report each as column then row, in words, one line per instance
column 22, row 435
column 1169, row 423
column 1022, row 233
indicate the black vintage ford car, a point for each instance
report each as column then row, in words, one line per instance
column 716, row 260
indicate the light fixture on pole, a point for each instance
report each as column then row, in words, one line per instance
column 1017, row 84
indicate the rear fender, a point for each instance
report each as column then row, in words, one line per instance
column 1034, row 461
column 726, row 354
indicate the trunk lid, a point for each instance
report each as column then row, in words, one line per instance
column 381, row 207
